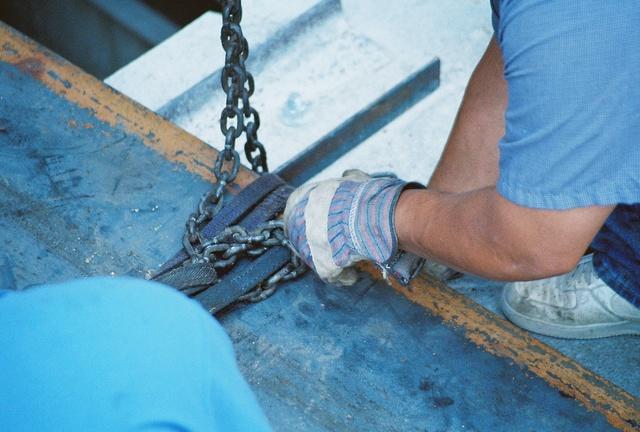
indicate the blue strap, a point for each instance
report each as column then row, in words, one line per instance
column 259, row 202
column 245, row 276
column 272, row 204
column 230, row 214
column 243, row 203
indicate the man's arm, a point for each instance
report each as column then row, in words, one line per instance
column 472, row 228
column 481, row 233
column 461, row 220
column 470, row 157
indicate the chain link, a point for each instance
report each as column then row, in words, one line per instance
column 238, row 117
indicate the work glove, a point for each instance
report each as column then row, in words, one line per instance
column 335, row 223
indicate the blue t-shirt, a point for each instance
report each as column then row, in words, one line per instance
column 572, row 135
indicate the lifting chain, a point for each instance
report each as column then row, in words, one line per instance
column 238, row 117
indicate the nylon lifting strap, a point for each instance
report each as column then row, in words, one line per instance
column 243, row 203
column 259, row 202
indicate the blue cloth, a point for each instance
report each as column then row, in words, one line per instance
column 572, row 126
column 572, row 136
column 119, row 354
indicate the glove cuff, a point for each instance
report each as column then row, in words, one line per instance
column 365, row 211
column 372, row 227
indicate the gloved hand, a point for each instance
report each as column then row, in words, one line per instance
column 335, row 223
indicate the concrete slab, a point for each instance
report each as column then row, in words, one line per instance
column 194, row 53
column 311, row 75
column 457, row 33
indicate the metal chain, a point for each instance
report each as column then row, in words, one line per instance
column 239, row 85
column 234, row 242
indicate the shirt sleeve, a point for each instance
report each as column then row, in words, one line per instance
column 572, row 125
column 495, row 14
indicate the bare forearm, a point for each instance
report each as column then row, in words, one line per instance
column 481, row 233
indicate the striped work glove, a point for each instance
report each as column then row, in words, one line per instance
column 336, row 223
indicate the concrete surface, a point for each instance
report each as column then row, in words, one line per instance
column 194, row 54
column 457, row 33
column 310, row 76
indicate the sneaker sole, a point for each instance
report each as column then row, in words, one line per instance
column 592, row 331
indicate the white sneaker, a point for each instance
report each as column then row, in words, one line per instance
column 577, row 305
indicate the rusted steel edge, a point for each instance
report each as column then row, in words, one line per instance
column 484, row 328
column 499, row 337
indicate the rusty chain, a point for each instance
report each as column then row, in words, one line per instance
column 238, row 117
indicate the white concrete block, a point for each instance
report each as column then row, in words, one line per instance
column 304, row 92
column 456, row 32
column 192, row 54
column 322, row 74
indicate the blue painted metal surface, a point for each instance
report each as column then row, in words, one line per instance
column 79, row 197
column 91, row 198
column 327, row 358
column 608, row 357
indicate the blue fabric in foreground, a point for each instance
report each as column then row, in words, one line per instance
column 116, row 354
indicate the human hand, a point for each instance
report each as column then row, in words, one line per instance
column 335, row 223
